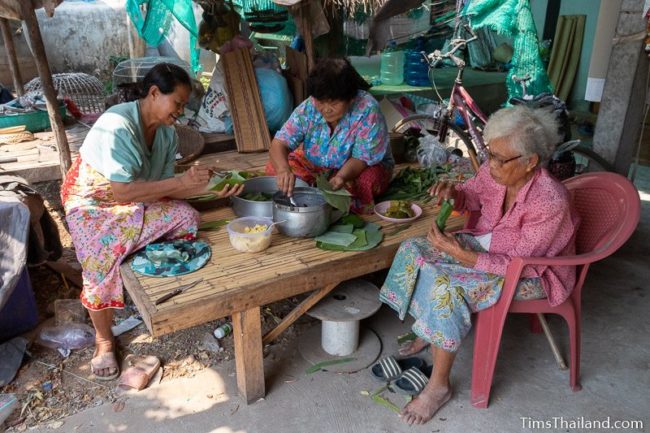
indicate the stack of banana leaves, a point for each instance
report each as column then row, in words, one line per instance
column 351, row 233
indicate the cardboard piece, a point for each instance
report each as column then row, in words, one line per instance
column 248, row 120
column 391, row 114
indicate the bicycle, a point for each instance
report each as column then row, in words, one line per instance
column 442, row 125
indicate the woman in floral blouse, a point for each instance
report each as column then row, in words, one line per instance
column 339, row 131
column 441, row 279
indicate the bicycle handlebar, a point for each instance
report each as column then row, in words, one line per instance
column 437, row 56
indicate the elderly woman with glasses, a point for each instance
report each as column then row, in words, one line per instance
column 442, row 278
column 337, row 131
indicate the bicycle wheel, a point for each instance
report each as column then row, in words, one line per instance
column 456, row 137
column 588, row 161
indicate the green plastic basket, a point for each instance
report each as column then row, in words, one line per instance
column 34, row 121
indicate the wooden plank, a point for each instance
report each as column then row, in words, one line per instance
column 248, row 120
column 145, row 306
column 307, row 34
column 295, row 314
column 71, row 274
column 11, row 55
column 249, row 363
column 33, row 35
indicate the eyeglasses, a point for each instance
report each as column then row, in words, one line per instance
column 501, row 162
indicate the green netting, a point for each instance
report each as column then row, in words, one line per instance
column 247, row 6
column 153, row 27
column 513, row 18
column 258, row 5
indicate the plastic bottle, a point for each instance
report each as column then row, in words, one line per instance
column 416, row 69
column 392, row 65
column 223, row 330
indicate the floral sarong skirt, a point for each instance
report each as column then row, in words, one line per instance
column 441, row 294
column 105, row 232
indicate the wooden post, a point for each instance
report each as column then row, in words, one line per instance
column 249, row 363
column 136, row 45
column 11, row 55
column 33, row 34
column 307, row 36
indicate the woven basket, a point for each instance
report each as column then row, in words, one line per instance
column 190, row 144
column 86, row 91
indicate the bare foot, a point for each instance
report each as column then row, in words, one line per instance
column 413, row 347
column 422, row 408
column 104, row 363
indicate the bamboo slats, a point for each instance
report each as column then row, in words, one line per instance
column 235, row 281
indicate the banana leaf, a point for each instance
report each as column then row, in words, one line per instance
column 353, row 219
column 373, row 237
column 342, row 228
column 339, row 199
column 232, row 177
column 213, row 225
column 337, row 238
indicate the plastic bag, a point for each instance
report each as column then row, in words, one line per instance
column 68, row 336
column 430, row 152
column 214, row 105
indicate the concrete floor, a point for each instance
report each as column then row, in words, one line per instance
column 528, row 386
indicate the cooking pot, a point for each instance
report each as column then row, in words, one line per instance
column 266, row 184
column 309, row 217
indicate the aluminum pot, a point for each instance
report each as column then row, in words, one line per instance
column 310, row 218
column 266, row 184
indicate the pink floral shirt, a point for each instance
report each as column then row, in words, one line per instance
column 541, row 223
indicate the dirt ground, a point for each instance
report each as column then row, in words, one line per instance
column 50, row 387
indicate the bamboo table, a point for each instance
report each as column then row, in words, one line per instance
column 239, row 284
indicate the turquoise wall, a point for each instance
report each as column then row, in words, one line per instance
column 590, row 8
column 538, row 8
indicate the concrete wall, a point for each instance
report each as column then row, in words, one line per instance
column 621, row 108
column 81, row 37
column 538, row 8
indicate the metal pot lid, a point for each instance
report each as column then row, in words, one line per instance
column 308, row 200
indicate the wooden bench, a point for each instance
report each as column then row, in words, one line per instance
column 239, row 284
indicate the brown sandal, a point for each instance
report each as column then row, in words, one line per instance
column 106, row 360
column 139, row 369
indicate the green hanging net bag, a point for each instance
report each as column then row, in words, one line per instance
column 154, row 26
column 513, row 18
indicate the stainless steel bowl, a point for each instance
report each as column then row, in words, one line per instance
column 265, row 184
column 310, row 218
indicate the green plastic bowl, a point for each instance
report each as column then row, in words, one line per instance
column 34, row 121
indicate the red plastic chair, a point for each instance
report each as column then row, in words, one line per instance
column 609, row 209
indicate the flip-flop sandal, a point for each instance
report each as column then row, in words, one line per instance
column 138, row 372
column 103, row 361
column 413, row 380
column 389, row 368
